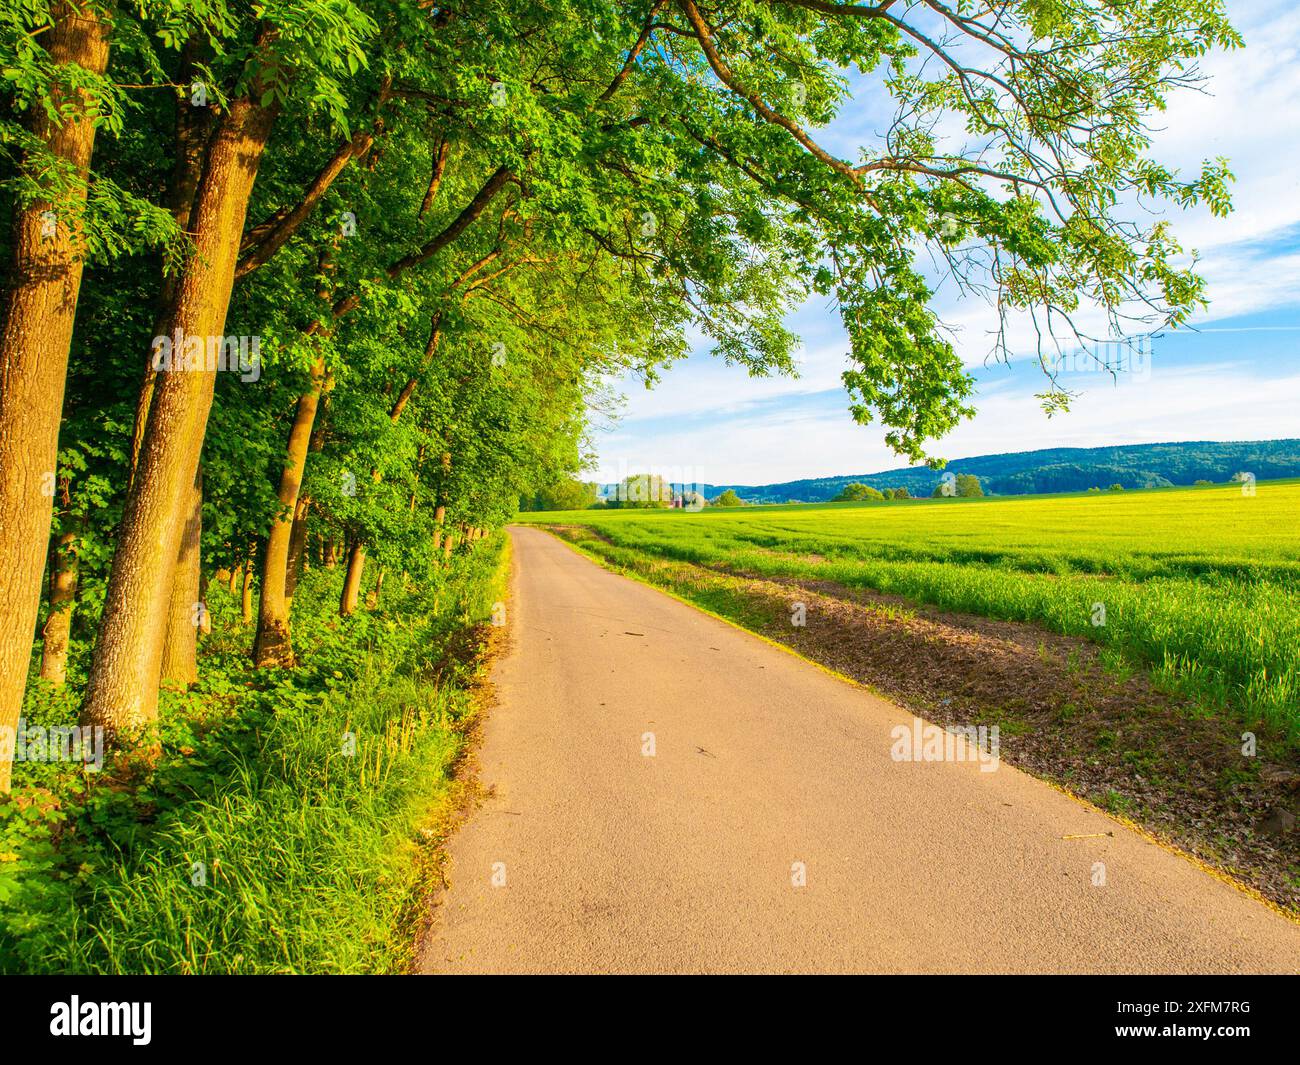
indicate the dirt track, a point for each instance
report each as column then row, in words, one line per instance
column 685, row 861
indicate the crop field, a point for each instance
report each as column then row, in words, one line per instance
column 1199, row 585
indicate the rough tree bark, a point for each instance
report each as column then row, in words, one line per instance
column 64, row 548
column 123, row 688
column 193, row 124
column 180, row 665
column 39, row 311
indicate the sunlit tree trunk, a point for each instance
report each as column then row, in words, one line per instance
column 352, row 579
column 442, row 538
column 273, row 645
column 192, row 127
column 44, row 281
column 64, row 548
column 185, row 609
column 246, row 593
column 123, row 688
column 179, row 665
column 297, row 551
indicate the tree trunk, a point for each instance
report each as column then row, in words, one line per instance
column 192, row 127
column 123, row 688
column 246, row 596
column 331, row 554
column 180, row 664
column 352, row 581
column 63, row 594
column 297, row 552
column 439, row 519
column 38, row 315
column 274, row 645
column 372, row 600
column 236, row 579
column 442, row 538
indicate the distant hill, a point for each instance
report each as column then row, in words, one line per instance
column 1059, row 469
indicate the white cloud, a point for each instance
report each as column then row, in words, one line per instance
column 1223, row 401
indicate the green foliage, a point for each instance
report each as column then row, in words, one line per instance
column 858, row 493
column 567, row 493
column 641, row 491
column 968, row 486
column 727, row 499
column 310, row 855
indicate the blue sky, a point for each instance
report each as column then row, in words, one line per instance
column 1236, row 377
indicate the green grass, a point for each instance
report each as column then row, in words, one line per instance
column 1199, row 585
column 261, row 841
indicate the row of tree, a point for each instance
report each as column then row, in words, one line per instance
column 342, row 277
column 857, row 492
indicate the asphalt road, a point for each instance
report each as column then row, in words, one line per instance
column 771, row 830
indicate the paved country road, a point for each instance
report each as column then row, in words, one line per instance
column 685, row 861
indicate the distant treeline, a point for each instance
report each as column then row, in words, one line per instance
column 1062, row 469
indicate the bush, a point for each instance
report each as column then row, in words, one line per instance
column 857, row 493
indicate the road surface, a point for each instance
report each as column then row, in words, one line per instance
column 771, row 830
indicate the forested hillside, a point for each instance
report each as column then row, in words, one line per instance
column 1062, row 469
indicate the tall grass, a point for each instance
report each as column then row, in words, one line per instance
column 282, row 830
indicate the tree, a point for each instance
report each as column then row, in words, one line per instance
column 727, row 499
column 567, row 493
column 641, row 491
column 902, row 493
column 968, row 486
column 579, row 194
column 858, row 493
column 45, row 267
column 123, row 687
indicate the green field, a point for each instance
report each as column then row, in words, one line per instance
column 1200, row 585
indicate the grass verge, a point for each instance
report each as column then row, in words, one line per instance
column 288, row 825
